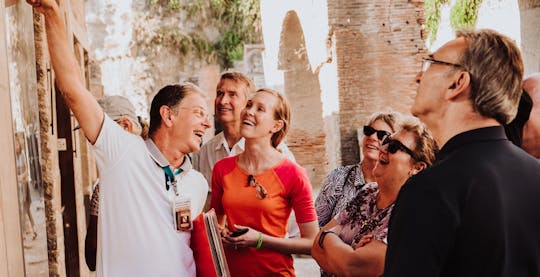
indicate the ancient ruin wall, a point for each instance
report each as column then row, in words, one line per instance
column 379, row 46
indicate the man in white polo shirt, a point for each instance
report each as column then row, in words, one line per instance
column 140, row 180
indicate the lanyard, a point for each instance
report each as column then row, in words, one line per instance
column 170, row 177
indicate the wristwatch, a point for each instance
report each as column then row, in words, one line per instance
column 323, row 234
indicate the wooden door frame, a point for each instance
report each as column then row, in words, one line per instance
column 66, row 164
column 11, row 250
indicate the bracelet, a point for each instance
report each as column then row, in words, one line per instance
column 259, row 242
column 321, row 237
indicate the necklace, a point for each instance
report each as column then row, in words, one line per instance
column 369, row 224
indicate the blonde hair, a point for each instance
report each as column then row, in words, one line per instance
column 426, row 148
column 391, row 118
column 238, row 78
column 282, row 111
column 495, row 67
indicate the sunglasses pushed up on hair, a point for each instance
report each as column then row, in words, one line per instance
column 381, row 134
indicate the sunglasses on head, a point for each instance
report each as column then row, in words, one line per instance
column 260, row 190
column 395, row 145
column 381, row 134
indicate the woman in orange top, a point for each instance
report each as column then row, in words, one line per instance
column 256, row 190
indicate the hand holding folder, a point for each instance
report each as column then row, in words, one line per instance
column 207, row 247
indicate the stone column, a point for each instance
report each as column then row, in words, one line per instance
column 306, row 138
column 379, row 45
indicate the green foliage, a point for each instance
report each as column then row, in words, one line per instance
column 433, row 16
column 463, row 15
column 237, row 22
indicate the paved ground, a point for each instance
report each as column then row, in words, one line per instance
column 305, row 266
column 35, row 250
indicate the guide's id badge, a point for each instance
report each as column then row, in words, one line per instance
column 182, row 213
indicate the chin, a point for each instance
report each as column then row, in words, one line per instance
column 222, row 118
column 368, row 155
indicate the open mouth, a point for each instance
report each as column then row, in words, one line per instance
column 199, row 133
column 369, row 146
column 247, row 122
column 222, row 109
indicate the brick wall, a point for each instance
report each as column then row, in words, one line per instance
column 306, row 138
column 378, row 47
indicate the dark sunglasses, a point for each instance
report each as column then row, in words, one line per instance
column 381, row 134
column 395, row 145
column 260, row 191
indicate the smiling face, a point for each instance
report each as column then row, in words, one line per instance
column 231, row 98
column 189, row 122
column 258, row 117
column 395, row 168
column 371, row 144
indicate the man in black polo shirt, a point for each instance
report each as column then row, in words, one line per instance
column 476, row 211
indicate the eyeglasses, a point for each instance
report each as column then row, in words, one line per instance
column 381, row 134
column 426, row 63
column 395, row 145
column 260, row 191
column 198, row 111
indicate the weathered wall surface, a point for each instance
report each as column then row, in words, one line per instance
column 49, row 154
column 530, row 34
column 306, row 137
column 379, row 45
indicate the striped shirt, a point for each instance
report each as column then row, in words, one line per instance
column 337, row 192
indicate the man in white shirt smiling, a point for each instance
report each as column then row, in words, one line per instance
column 140, row 180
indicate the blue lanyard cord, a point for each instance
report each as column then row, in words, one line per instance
column 170, row 176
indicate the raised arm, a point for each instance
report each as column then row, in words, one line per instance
column 68, row 75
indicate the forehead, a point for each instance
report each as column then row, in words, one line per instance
column 379, row 124
column 194, row 99
column 451, row 51
column 264, row 98
column 405, row 137
column 232, row 85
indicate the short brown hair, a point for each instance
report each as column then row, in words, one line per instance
column 239, row 78
column 426, row 148
column 495, row 65
column 282, row 111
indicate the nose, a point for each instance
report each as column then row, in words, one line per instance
column 383, row 148
column 224, row 99
column 418, row 77
column 249, row 111
column 206, row 122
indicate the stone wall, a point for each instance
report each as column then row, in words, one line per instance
column 306, row 138
column 530, row 34
column 379, row 45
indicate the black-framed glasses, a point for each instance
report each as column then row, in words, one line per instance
column 381, row 134
column 260, row 190
column 426, row 63
column 394, row 145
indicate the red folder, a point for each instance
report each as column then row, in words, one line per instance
column 207, row 247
